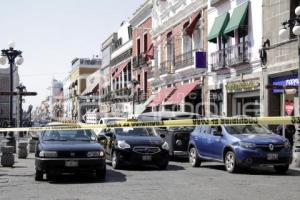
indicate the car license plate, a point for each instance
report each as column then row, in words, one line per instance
column 272, row 156
column 147, row 158
column 71, row 163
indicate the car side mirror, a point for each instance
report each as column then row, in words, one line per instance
column 162, row 135
column 102, row 139
column 35, row 136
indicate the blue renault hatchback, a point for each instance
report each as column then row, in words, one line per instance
column 239, row 146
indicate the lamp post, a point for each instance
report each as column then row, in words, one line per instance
column 294, row 23
column 132, row 85
column 11, row 55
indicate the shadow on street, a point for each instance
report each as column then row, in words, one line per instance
column 171, row 167
column 84, row 178
column 254, row 170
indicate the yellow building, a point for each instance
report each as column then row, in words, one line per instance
column 81, row 69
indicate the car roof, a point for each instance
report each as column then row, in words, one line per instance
column 169, row 114
column 56, row 124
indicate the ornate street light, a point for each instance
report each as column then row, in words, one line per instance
column 14, row 57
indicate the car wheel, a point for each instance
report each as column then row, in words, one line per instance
column 101, row 174
column 281, row 169
column 39, row 175
column 115, row 161
column 230, row 162
column 193, row 157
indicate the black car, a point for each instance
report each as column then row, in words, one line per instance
column 68, row 151
column 176, row 137
column 135, row 146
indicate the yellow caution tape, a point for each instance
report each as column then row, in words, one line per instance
column 167, row 123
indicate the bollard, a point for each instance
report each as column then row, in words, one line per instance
column 22, row 150
column 11, row 140
column 7, row 158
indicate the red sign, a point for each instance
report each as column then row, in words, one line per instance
column 289, row 107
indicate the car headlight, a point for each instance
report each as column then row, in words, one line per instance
column 123, row 145
column 48, row 154
column 247, row 145
column 95, row 154
column 165, row 146
column 287, row 144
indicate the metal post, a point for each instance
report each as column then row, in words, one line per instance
column 283, row 112
column 11, row 89
column 133, row 101
column 299, row 73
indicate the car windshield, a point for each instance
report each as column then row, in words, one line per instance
column 67, row 135
column 247, row 129
column 135, row 131
column 113, row 121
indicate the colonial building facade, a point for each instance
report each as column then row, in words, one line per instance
column 234, row 40
column 121, row 73
column 179, row 32
column 105, row 74
column 143, row 54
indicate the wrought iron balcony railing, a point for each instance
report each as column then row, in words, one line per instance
column 166, row 67
column 185, row 59
column 231, row 56
column 138, row 61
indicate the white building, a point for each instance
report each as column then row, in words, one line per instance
column 234, row 40
column 121, row 70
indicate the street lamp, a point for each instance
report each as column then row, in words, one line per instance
column 14, row 57
column 132, row 85
column 294, row 23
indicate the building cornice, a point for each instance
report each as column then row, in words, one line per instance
column 141, row 14
column 181, row 15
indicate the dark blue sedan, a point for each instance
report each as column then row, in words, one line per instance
column 239, row 146
column 69, row 151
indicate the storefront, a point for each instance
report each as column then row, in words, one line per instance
column 282, row 102
column 243, row 98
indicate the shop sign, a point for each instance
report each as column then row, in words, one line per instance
column 291, row 80
column 289, row 107
column 200, row 57
column 104, row 108
column 242, row 85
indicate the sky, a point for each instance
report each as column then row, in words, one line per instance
column 53, row 32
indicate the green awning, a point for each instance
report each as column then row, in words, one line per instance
column 237, row 18
column 218, row 27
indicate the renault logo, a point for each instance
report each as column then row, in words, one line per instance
column 271, row 147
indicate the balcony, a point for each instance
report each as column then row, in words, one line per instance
column 184, row 60
column 165, row 67
column 138, row 61
column 231, row 56
column 120, row 94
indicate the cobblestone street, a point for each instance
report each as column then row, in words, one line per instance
column 180, row 181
